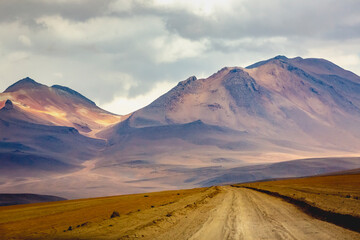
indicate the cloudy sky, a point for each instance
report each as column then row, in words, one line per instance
column 123, row 54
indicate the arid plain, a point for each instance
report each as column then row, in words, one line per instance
column 223, row 212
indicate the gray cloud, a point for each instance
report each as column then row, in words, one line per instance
column 256, row 18
column 123, row 48
column 27, row 11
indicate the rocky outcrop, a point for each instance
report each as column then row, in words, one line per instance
column 8, row 105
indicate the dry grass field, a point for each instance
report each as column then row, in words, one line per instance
column 91, row 218
column 336, row 193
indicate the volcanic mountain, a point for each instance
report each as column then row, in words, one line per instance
column 304, row 99
column 290, row 107
column 45, row 130
column 234, row 125
column 57, row 105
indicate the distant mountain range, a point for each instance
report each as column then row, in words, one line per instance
column 224, row 128
column 15, row 199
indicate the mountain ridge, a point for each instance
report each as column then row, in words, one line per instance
column 72, row 92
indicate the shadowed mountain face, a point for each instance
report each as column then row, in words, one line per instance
column 202, row 132
column 44, row 130
column 29, row 147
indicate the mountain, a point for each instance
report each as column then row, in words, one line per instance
column 232, row 126
column 287, row 108
column 7, row 199
column 45, row 130
column 279, row 98
column 59, row 106
column 30, row 147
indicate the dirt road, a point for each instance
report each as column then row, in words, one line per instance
column 247, row 214
column 207, row 213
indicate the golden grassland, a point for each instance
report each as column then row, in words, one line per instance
column 337, row 193
column 90, row 218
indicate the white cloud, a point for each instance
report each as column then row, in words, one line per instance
column 125, row 105
column 99, row 29
column 198, row 7
column 25, row 40
column 16, row 57
column 171, row 48
column 58, row 75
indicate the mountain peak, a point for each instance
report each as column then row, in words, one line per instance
column 27, row 79
column 23, row 83
column 187, row 81
column 280, row 57
column 258, row 64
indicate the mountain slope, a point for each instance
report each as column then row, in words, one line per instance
column 29, row 147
